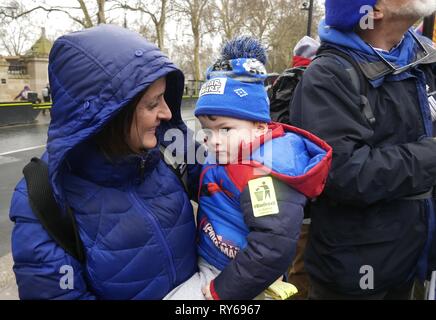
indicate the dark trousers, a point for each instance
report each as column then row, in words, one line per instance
column 320, row 292
column 297, row 275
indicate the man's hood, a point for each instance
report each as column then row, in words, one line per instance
column 93, row 74
column 401, row 55
column 407, row 51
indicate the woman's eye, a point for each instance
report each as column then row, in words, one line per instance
column 152, row 106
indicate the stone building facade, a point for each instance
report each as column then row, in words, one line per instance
column 29, row 69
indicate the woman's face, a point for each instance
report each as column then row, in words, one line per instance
column 149, row 112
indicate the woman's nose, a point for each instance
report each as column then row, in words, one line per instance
column 164, row 112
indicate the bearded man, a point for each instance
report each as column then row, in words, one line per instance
column 370, row 95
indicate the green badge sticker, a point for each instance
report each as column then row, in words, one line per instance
column 263, row 197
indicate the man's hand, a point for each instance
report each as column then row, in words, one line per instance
column 206, row 292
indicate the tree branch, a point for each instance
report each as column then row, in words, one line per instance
column 87, row 18
column 48, row 10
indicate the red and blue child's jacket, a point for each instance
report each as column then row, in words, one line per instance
column 252, row 252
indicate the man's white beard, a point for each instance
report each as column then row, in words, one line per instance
column 415, row 8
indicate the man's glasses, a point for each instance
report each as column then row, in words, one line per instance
column 394, row 70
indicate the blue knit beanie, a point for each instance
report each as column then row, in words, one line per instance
column 235, row 83
column 345, row 14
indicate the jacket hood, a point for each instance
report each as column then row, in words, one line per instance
column 407, row 51
column 93, row 74
column 401, row 55
column 304, row 52
column 295, row 157
column 290, row 154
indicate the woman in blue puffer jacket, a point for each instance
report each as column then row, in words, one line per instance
column 114, row 96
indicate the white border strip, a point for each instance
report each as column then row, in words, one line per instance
column 432, row 290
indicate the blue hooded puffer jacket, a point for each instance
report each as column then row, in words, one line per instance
column 137, row 229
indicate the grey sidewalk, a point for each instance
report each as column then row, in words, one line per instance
column 8, row 287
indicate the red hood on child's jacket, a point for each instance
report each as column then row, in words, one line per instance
column 298, row 61
column 311, row 182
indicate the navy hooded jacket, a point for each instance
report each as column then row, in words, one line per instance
column 137, row 229
column 364, row 218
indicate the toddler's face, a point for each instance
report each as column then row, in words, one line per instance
column 224, row 136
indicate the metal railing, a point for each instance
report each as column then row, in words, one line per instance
column 36, row 106
column 192, row 88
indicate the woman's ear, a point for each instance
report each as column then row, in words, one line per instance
column 261, row 128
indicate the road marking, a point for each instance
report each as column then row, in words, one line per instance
column 22, row 150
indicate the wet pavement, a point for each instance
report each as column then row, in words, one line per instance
column 18, row 144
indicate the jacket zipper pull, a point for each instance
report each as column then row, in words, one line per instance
column 142, row 168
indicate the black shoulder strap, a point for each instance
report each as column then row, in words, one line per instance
column 179, row 169
column 357, row 78
column 288, row 73
column 61, row 227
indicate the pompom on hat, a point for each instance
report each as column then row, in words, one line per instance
column 235, row 83
column 345, row 14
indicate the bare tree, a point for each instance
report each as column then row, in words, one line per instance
column 194, row 10
column 182, row 57
column 260, row 18
column 16, row 38
column 158, row 16
column 289, row 26
column 230, row 16
column 147, row 32
column 279, row 24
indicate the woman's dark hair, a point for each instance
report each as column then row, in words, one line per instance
column 112, row 139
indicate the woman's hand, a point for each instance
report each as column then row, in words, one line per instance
column 206, row 292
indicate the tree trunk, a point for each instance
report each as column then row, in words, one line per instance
column 226, row 20
column 87, row 18
column 160, row 25
column 196, row 33
column 101, row 17
column 160, row 34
